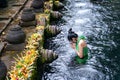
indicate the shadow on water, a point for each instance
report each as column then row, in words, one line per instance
column 100, row 23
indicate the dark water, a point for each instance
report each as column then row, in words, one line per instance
column 100, row 23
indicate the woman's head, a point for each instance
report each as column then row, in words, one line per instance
column 72, row 36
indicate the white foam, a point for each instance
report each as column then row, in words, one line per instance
column 81, row 21
column 85, row 11
column 80, row 4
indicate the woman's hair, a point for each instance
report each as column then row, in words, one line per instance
column 71, row 34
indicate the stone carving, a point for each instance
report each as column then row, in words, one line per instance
column 37, row 4
column 28, row 18
column 16, row 35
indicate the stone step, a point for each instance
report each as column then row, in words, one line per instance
column 3, row 17
column 17, row 4
column 2, row 45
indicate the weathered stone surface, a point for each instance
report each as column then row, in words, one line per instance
column 4, row 17
column 28, row 15
column 27, row 24
column 15, row 47
column 55, row 15
column 17, row 4
column 58, row 5
column 2, row 45
column 47, row 56
column 51, row 31
column 37, row 4
column 39, row 10
column 16, row 35
column 3, row 70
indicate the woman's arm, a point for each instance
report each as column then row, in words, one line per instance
column 81, row 46
column 80, row 52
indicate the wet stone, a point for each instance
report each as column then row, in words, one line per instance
column 3, row 70
column 1, row 48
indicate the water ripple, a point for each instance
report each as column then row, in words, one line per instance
column 100, row 23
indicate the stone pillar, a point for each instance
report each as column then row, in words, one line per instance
column 28, row 18
column 16, row 35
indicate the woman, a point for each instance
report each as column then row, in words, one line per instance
column 79, row 45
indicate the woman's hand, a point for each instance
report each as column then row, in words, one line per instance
column 73, row 45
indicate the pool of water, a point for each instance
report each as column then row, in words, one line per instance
column 100, row 23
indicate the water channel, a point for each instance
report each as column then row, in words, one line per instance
column 100, row 23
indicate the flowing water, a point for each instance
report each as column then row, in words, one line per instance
column 100, row 23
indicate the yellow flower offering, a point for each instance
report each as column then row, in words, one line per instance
column 40, row 28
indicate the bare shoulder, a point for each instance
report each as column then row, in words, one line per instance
column 82, row 43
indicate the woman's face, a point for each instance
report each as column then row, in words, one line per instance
column 74, row 40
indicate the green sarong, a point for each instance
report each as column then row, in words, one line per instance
column 85, row 51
